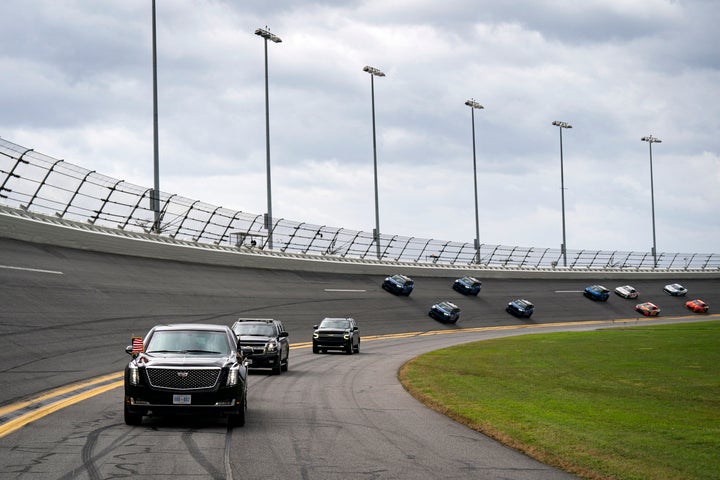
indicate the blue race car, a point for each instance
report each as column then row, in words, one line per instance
column 446, row 312
column 520, row 308
column 467, row 285
column 398, row 284
column 597, row 293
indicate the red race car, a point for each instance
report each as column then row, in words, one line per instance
column 697, row 306
column 648, row 309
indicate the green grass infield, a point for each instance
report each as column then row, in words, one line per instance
column 621, row 403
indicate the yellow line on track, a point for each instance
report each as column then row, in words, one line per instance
column 41, row 412
column 57, row 392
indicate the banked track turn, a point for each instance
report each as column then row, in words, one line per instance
column 68, row 314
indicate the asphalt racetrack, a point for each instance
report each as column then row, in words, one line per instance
column 67, row 316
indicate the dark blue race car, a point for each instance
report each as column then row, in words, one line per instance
column 467, row 285
column 399, row 284
column 520, row 308
column 446, row 312
column 597, row 293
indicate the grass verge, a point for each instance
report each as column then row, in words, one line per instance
column 621, row 403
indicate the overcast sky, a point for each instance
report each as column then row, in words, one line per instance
column 77, row 85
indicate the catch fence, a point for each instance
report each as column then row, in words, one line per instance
column 41, row 184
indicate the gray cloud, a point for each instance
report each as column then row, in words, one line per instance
column 78, row 86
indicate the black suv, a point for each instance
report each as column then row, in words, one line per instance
column 268, row 340
column 190, row 369
column 337, row 334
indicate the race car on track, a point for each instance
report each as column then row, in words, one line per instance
column 648, row 309
column 697, row 306
column 399, row 284
column 446, row 312
column 520, row 308
column 675, row 289
column 627, row 291
column 467, row 285
column 597, row 293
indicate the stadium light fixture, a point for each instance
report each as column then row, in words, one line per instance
column 563, row 247
column 266, row 35
column 650, row 139
column 473, row 106
column 374, row 72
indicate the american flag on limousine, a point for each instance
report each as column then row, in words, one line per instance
column 137, row 345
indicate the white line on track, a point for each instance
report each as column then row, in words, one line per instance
column 568, row 291
column 344, row 290
column 36, row 270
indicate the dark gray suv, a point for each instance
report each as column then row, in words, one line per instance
column 268, row 340
column 337, row 334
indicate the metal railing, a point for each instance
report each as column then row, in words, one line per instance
column 42, row 184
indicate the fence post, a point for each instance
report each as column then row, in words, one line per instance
column 403, row 249
column 541, row 258
column 227, row 227
column 509, row 258
column 374, row 239
column 423, row 250
column 42, row 182
column 98, row 212
column 132, row 212
column 352, row 242
column 317, row 234
column 202, row 232
column 580, row 253
column 287, row 244
column 458, row 254
column 74, row 195
column 12, row 172
column 384, row 254
column 440, row 254
column 271, row 231
column 156, row 223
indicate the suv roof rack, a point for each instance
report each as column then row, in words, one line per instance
column 266, row 320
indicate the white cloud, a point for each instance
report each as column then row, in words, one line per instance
column 81, row 90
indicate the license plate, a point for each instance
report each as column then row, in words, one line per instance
column 181, row 399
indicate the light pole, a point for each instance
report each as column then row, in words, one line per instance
column 155, row 196
column 376, row 233
column 473, row 105
column 563, row 248
column 650, row 139
column 266, row 35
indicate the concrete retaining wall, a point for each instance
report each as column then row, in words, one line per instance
column 41, row 229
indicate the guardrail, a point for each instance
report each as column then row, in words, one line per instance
column 38, row 183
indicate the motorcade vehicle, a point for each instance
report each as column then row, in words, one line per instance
column 648, row 309
column 520, row 308
column 399, row 284
column 445, row 311
column 697, row 306
column 269, row 342
column 675, row 289
column 186, row 369
column 597, row 293
column 336, row 333
column 467, row 285
column 627, row 291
